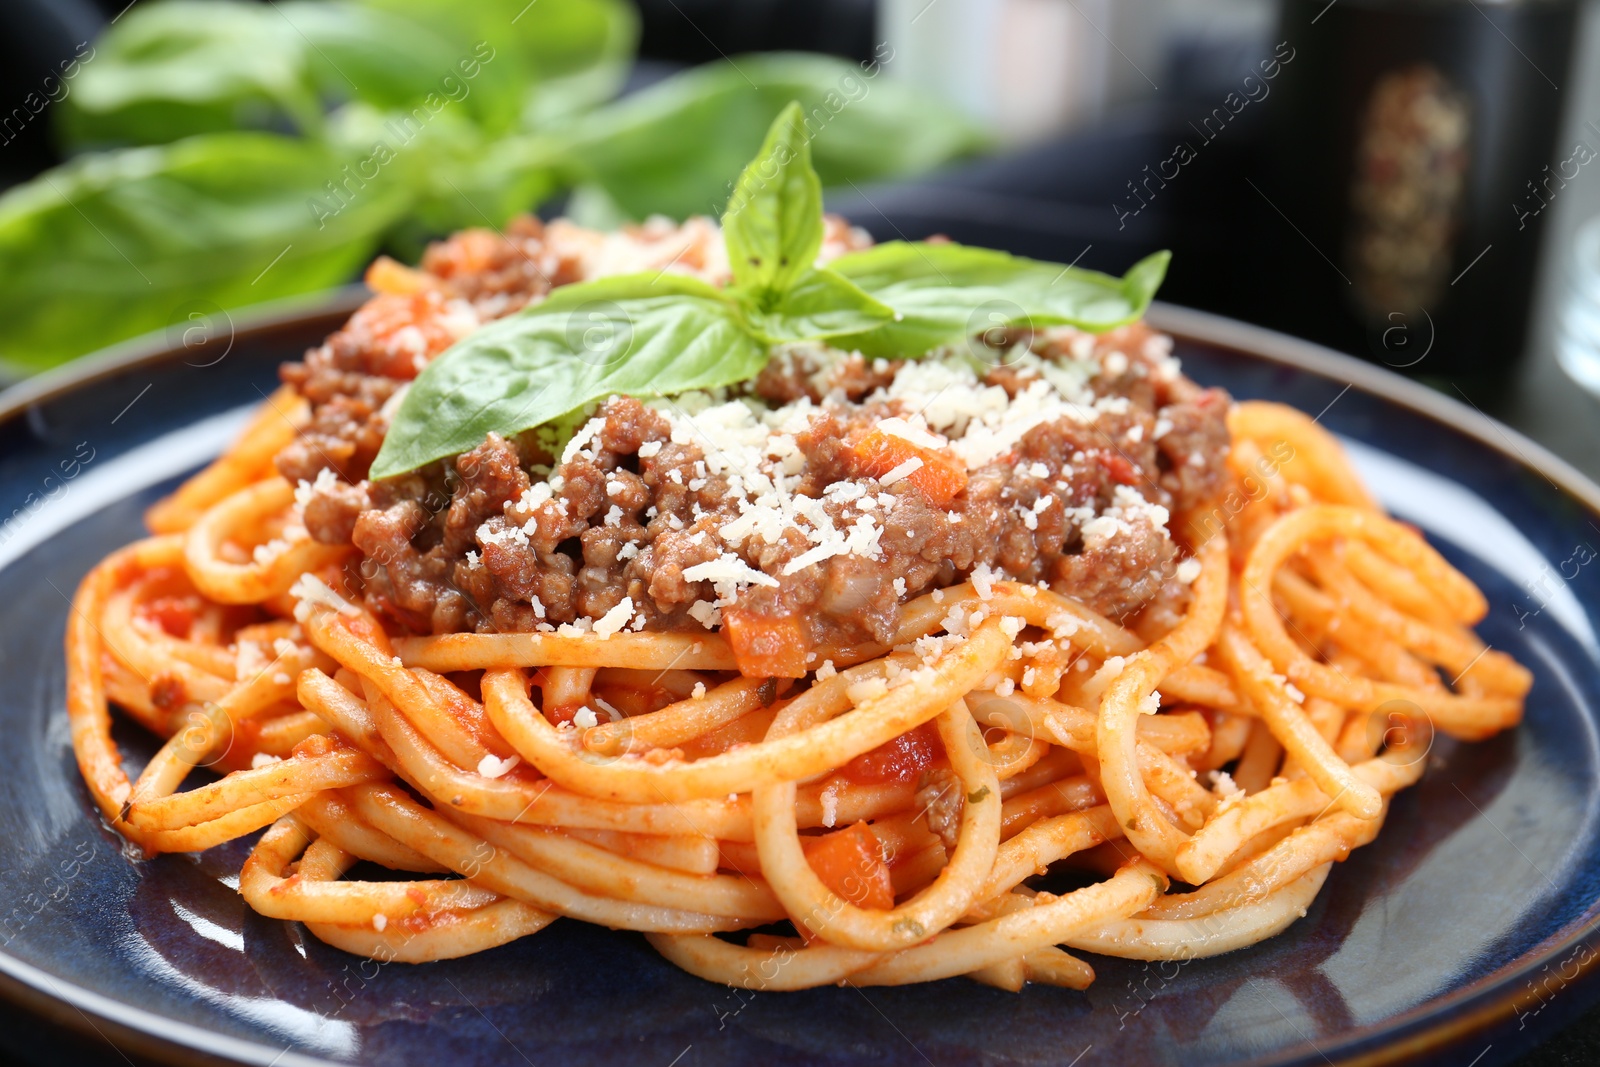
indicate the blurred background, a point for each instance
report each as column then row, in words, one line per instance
column 1408, row 181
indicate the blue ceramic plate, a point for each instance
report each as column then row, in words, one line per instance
column 1463, row 931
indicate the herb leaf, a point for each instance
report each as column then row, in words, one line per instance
column 539, row 60
column 773, row 223
column 115, row 244
column 185, row 67
column 673, row 148
column 943, row 294
column 818, row 305
column 638, row 335
column 645, row 335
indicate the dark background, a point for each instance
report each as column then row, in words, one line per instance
column 1228, row 221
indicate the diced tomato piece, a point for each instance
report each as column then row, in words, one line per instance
column 403, row 332
column 941, row 477
column 765, row 647
column 850, row 862
column 174, row 614
column 562, row 714
column 747, row 729
column 898, row 760
column 1121, row 471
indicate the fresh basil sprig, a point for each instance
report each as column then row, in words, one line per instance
column 655, row 335
column 945, row 293
column 773, row 223
column 773, row 231
column 634, row 335
column 644, row 334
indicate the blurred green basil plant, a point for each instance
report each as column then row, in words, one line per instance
column 232, row 153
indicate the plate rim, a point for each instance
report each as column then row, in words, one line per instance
column 1430, row 1026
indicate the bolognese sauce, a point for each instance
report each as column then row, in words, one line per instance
column 796, row 513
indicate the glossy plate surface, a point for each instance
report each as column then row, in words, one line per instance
column 1460, row 931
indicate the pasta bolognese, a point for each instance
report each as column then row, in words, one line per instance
column 865, row 667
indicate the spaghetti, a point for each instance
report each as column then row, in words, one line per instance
column 794, row 758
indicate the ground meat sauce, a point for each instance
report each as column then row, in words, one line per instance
column 639, row 507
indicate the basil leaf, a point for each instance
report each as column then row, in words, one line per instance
column 550, row 58
column 116, row 244
column 773, row 222
column 943, row 294
column 582, row 54
column 671, row 148
column 380, row 58
column 177, row 68
column 182, row 67
column 638, row 335
column 647, row 285
column 818, row 305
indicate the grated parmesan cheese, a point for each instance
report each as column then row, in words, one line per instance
column 914, row 430
column 830, row 805
column 814, row 556
column 983, row 579
column 706, row 614
column 865, row 690
column 491, row 766
column 615, row 619
column 1224, row 786
column 728, row 567
column 310, row 590
column 326, row 481
column 901, row 471
column 1108, row 672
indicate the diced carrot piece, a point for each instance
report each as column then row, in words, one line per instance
column 850, row 862
column 941, row 477
column 765, row 647
column 388, row 276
